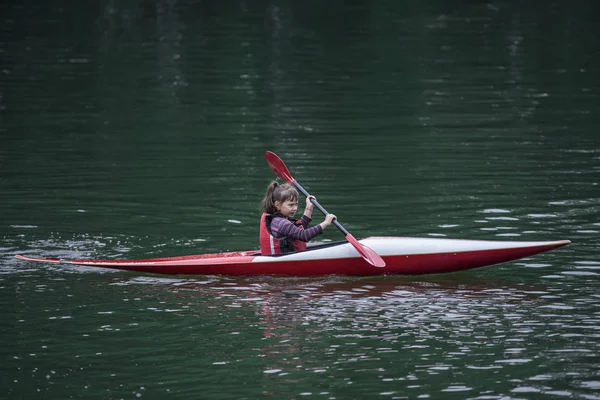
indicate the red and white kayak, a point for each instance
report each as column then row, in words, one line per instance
column 402, row 255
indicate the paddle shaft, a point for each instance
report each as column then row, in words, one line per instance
column 320, row 207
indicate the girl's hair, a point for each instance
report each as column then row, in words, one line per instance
column 277, row 192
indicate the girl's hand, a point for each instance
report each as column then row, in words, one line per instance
column 309, row 204
column 328, row 220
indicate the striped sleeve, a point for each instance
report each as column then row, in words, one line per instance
column 305, row 221
column 282, row 227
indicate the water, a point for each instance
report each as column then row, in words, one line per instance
column 139, row 131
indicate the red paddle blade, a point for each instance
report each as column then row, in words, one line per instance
column 366, row 252
column 278, row 167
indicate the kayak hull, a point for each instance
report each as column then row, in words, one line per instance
column 402, row 255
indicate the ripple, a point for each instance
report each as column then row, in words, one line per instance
column 591, row 385
column 542, row 215
column 526, row 389
column 534, row 265
column 515, row 361
column 579, row 273
column 457, row 388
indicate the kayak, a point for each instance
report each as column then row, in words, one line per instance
column 402, row 256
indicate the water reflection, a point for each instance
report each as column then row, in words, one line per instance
column 347, row 329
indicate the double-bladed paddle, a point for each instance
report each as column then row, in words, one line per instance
column 281, row 171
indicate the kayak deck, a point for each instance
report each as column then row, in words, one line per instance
column 402, row 255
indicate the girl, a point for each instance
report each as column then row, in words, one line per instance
column 279, row 231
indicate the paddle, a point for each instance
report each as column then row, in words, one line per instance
column 282, row 172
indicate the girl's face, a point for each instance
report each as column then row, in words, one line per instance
column 288, row 208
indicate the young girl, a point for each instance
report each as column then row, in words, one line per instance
column 279, row 231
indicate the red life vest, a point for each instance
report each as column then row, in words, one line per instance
column 271, row 245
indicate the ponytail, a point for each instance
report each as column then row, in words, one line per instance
column 267, row 205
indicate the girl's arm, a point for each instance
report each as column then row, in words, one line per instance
column 309, row 208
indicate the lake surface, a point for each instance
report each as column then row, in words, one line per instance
column 138, row 131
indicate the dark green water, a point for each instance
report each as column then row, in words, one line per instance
column 137, row 131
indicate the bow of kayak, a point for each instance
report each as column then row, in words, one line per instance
column 402, row 255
